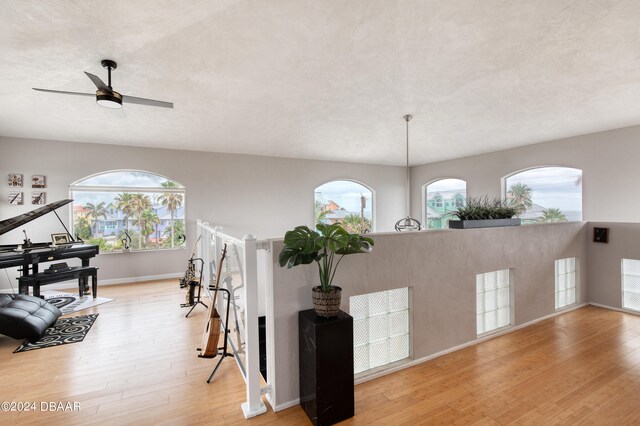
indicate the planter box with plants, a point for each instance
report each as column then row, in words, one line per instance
column 485, row 212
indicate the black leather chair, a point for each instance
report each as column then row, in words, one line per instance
column 26, row 317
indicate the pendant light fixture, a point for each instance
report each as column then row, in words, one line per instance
column 408, row 223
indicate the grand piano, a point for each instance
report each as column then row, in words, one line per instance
column 28, row 256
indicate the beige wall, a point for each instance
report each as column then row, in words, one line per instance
column 608, row 161
column 261, row 195
column 604, row 269
column 440, row 267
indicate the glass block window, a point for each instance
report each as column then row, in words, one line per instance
column 493, row 301
column 565, row 282
column 631, row 284
column 380, row 328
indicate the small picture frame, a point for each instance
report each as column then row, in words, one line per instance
column 59, row 239
column 38, row 181
column 38, row 198
column 601, row 235
column 16, row 198
column 15, row 180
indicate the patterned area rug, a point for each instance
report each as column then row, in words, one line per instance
column 69, row 303
column 65, row 330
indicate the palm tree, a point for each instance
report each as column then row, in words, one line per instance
column 140, row 203
column 519, row 195
column 147, row 221
column 95, row 212
column 82, row 227
column 172, row 201
column 553, row 215
column 356, row 223
column 124, row 203
column 321, row 212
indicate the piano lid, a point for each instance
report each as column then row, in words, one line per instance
column 11, row 224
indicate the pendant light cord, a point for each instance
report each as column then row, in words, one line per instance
column 408, row 187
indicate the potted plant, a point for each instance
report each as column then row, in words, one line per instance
column 485, row 212
column 326, row 246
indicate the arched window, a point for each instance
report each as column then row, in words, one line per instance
column 546, row 194
column 346, row 202
column 442, row 198
column 129, row 209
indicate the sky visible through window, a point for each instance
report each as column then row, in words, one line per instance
column 347, row 195
column 553, row 187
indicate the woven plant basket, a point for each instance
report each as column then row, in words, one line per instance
column 327, row 305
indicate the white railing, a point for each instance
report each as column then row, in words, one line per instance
column 240, row 272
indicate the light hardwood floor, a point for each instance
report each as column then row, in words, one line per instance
column 138, row 365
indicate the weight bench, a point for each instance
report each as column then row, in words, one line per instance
column 81, row 273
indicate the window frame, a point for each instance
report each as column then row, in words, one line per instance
column 182, row 189
column 369, row 188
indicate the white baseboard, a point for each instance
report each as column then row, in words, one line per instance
column 413, row 362
column 402, row 366
column 116, row 281
column 626, row 311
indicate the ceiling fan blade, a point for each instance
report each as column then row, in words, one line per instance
column 98, row 82
column 65, row 93
column 149, row 102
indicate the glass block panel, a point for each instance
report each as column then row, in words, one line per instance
column 480, row 303
column 378, row 303
column 631, row 283
column 504, row 316
column 359, row 306
column 490, row 320
column 565, row 282
column 631, row 267
column 399, row 323
column 490, row 281
column 561, row 266
column 378, row 328
column 503, row 297
column 360, row 332
column 631, row 300
column 398, row 348
column 378, row 354
column 479, row 283
column 399, row 299
column 360, row 358
column 493, row 302
column 562, row 298
column 502, row 277
column 480, row 323
column 490, row 300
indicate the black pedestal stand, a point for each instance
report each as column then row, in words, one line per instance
column 223, row 350
column 191, row 284
column 326, row 367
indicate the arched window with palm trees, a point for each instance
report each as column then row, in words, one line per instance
column 129, row 209
column 442, row 198
column 346, row 202
column 546, row 194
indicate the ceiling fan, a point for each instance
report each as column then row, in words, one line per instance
column 106, row 96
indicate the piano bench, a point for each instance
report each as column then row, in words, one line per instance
column 81, row 273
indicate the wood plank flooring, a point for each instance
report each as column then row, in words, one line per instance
column 138, row 365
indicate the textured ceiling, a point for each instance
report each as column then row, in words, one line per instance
column 323, row 79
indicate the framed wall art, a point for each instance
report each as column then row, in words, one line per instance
column 38, row 181
column 15, row 198
column 38, row 197
column 15, row 180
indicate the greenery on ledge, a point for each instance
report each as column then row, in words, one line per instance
column 483, row 208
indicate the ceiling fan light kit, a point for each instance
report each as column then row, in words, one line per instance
column 106, row 96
